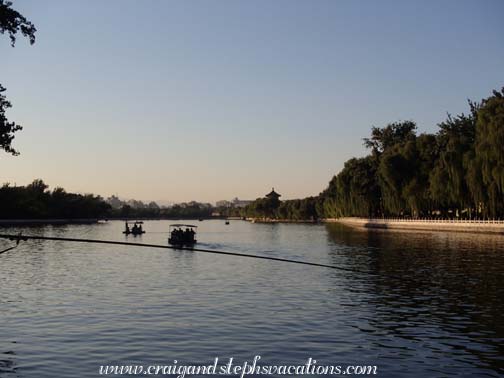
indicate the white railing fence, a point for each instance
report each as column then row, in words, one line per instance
column 438, row 220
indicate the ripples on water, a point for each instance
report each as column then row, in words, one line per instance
column 432, row 307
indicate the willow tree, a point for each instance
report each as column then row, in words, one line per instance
column 448, row 180
column 354, row 191
column 416, row 192
column 490, row 150
column 397, row 168
column 328, row 200
column 390, row 147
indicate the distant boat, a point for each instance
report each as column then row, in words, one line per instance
column 227, row 222
column 135, row 230
column 201, row 219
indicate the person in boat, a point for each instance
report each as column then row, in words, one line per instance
column 135, row 229
column 140, row 229
column 126, row 229
column 178, row 236
column 189, row 235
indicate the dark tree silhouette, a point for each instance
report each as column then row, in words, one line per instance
column 7, row 129
column 35, row 201
column 11, row 22
column 383, row 138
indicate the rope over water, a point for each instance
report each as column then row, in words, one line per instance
column 8, row 249
column 20, row 237
column 17, row 238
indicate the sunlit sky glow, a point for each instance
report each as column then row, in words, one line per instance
column 208, row 100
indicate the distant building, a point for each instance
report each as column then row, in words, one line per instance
column 240, row 203
column 273, row 195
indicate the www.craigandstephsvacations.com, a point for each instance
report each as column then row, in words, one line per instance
column 246, row 368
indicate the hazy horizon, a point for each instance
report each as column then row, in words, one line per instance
column 206, row 101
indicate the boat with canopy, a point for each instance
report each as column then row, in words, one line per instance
column 182, row 234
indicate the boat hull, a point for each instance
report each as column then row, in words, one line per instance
column 133, row 233
column 180, row 243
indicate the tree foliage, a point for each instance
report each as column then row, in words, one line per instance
column 7, row 129
column 35, row 201
column 11, row 22
column 298, row 209
column 395, row 133
column 490, row 150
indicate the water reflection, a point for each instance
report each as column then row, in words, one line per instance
column 8, row 364
column 440, row 290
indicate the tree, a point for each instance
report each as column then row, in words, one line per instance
column 416, row 191
column 354, row 191
column 490, row 151
column 390, row 135
column 396, row 169
column 38, row 186
column 449, row 177
column 11, row 22
column 7, row 129
column 36, row 201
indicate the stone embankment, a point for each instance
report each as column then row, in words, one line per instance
column 274, row 220
column 492, row 226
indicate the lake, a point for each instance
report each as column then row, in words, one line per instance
column 419, row 304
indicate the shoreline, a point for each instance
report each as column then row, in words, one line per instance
column 35, row 222
column 454, row 225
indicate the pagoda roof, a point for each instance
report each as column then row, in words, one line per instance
column 273, row 193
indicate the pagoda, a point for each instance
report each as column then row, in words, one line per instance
column 273, row 195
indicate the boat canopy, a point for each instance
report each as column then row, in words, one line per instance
column 183, row 225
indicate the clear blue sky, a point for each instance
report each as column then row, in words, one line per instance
column 207, row 100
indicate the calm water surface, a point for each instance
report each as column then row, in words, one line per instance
column 433, row 306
